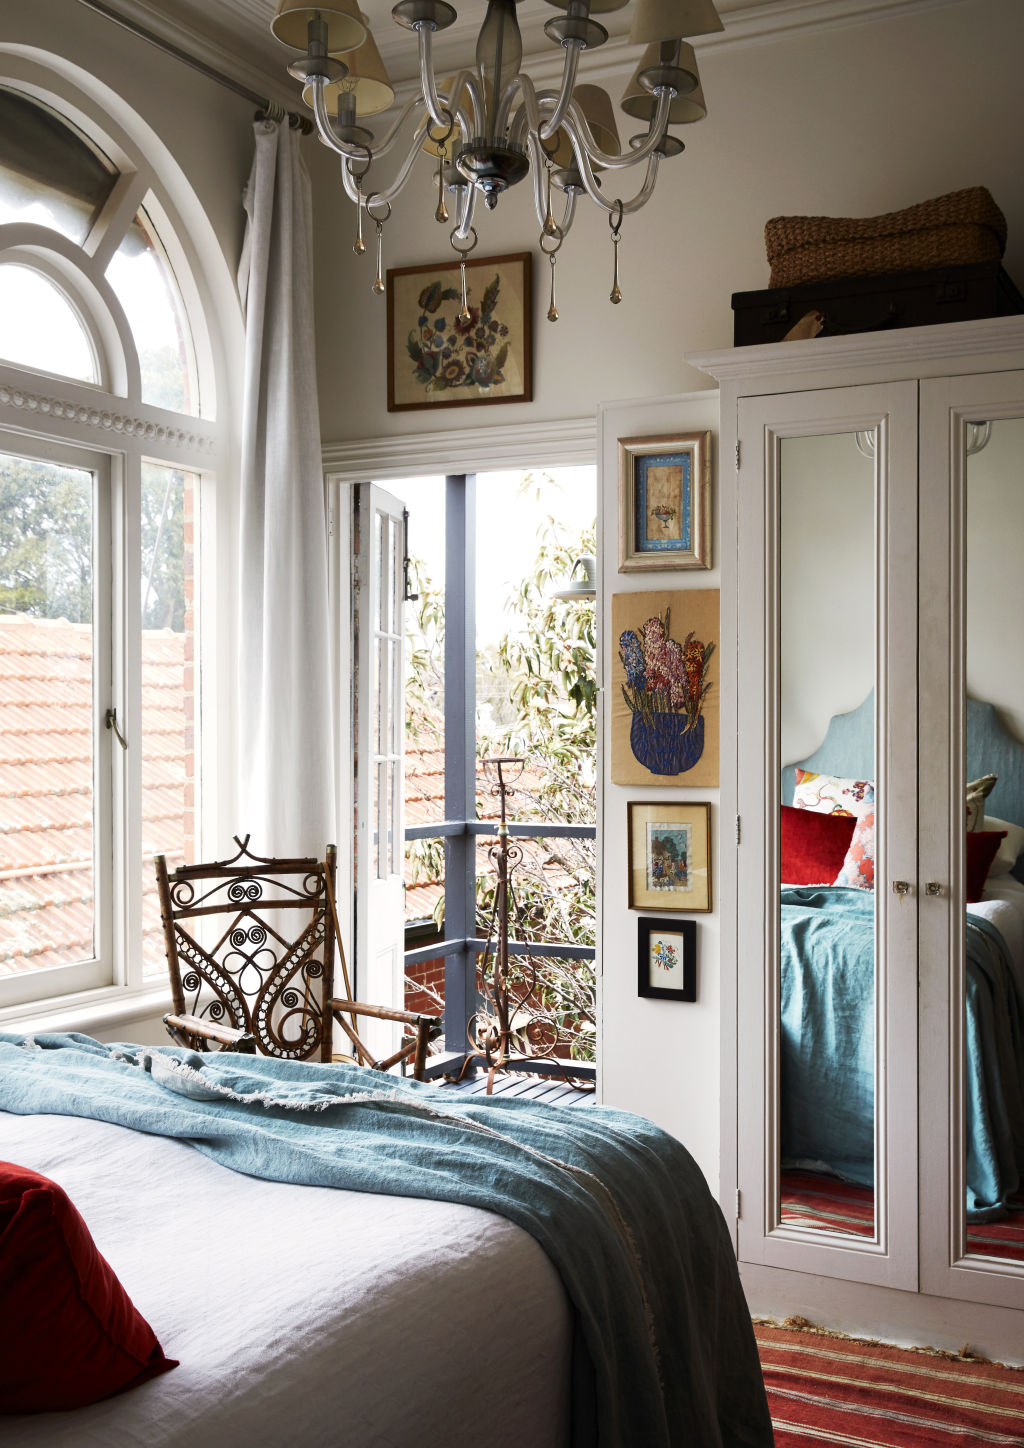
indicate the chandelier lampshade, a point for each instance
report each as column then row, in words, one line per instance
column 672, row 20
column 488, row 126
column 345, row 30
column 639, row 102
column 367, row 80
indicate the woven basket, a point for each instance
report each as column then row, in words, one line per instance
column 954, row 230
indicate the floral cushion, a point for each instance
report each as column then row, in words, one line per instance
column 859, row 866
column 831, row 794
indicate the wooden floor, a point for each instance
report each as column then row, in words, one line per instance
column 552, row 1092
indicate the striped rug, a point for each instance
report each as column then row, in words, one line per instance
column 833, row 1390
column 812, row 1200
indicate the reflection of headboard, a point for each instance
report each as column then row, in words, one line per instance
column 848, row 750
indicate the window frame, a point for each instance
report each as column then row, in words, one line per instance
column 108, row 421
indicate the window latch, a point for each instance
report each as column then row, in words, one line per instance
column 111, row 723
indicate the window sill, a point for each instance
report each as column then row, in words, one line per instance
column 99, row 1011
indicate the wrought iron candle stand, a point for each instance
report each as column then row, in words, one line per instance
column 492, row 1030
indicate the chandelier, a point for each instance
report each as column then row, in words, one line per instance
column 488, row 127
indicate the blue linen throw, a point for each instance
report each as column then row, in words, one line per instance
column 664, row 1352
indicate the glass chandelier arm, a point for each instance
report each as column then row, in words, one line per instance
column 572, row 60
column 466, row 207
column 438, row 113
column 628, row 207
column 577, row 126
column 353, row 152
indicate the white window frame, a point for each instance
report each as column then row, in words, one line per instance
column 45, row 415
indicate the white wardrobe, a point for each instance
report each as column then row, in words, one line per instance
column 871, row 521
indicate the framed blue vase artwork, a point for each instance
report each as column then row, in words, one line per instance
column 665, row 687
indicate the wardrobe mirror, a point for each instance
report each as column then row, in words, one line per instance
column 993, row 1068
column 826, row 949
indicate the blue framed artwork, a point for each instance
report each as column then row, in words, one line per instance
column 664, row 502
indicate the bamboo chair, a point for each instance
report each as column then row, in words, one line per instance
column 251, row 949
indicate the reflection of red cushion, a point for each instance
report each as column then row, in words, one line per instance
column 813, row 846
column 982, row 848
column 71, row 1333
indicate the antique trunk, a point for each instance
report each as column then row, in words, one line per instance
column 870, row 304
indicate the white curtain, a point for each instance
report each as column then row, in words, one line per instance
column 286, row 778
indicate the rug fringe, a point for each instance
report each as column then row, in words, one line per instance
column 803, row 1324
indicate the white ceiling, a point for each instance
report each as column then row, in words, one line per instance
column 233, row 36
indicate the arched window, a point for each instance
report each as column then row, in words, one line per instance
column 107, row 442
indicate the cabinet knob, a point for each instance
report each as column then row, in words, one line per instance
column 933, row 888
column 901, row 888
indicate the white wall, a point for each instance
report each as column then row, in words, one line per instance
column 851, row 121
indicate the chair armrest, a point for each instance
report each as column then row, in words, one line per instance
column 384, row 1013
column 229, row 1037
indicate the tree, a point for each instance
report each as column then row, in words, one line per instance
column 537, row 696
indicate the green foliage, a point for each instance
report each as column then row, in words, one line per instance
column 46, row 543
column 536, row 696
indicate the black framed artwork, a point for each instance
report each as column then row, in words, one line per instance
column 666, row 958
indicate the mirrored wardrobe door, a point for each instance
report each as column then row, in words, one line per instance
column 973, row 922
column 827, row 671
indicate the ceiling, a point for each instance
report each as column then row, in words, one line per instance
column 233, row 36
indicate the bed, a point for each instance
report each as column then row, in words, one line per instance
column 827, row 988
column 476, row 1271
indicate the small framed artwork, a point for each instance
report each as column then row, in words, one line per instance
column 666, row 958
column 669, row 857
column 665, row 502
column 437, row 357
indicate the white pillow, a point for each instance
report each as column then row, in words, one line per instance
column 1009, row 849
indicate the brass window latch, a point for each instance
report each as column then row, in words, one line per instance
column 111, row 722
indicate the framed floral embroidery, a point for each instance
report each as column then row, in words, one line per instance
column 667, row 959
column 444, row 354
column 665, row 689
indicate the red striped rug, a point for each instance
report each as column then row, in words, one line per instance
column 811, row 1200
column 830, row 1390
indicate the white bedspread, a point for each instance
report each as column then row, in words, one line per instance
column 1002, row 905
column 304, row 1316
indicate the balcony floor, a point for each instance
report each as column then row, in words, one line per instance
column 552, row 1092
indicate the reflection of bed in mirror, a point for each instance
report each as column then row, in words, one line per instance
column 827, row 1012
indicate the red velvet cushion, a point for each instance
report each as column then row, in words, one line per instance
column 813, row 845
column 982, row 848
column 71, row 1334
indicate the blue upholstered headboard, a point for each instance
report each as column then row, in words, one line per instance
column 848, row 750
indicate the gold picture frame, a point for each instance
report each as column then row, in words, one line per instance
column 669, row 856
column 437, row 360
column 665, row 502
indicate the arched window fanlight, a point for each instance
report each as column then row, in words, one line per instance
column 50, row 173
column 40, row 329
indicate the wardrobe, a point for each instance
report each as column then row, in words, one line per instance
column 871, row 529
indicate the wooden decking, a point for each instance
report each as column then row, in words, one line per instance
column 552, row 1091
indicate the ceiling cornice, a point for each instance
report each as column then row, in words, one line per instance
column 260, row 67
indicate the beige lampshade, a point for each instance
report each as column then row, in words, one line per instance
column 672, row 20
column 597, row 7
column 640, row 104
column 345, row 30
column 596, row 105
column 367, row 78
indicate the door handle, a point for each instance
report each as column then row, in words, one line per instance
column 901, row 888
column 933, row 888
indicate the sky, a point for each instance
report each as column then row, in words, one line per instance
column 507, row 527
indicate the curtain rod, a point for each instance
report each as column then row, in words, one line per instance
column 273, row 110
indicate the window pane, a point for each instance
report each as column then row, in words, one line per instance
column 50, row 174
column 144, row 284
column 40, row 329
column 169, row 687
column 424, row 690
column 46, row 715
